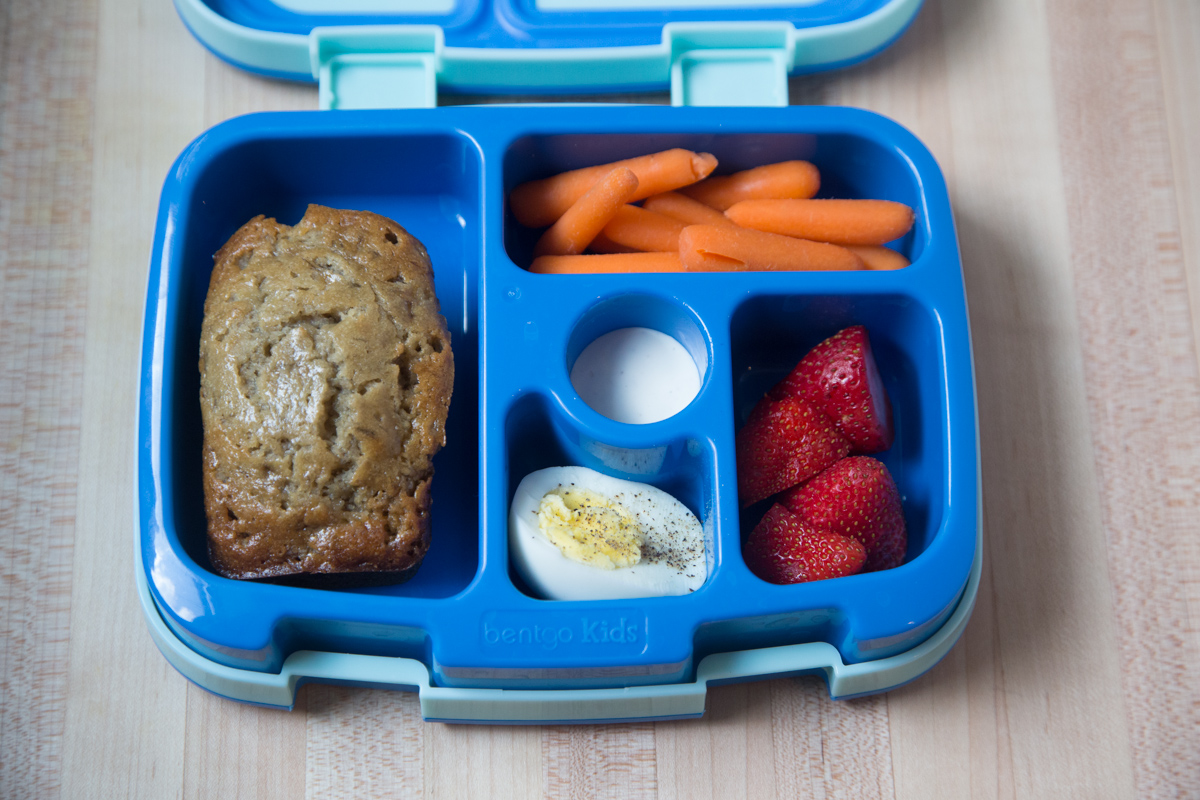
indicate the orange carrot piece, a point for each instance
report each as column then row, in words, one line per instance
column 644, row 230
column 603, row 245
column 685, row 209
column 713, row 248
column 879, row 258
column 577, row 227
column 835, row 221
column 539, row 203
column 787, row 179
column 617, row 262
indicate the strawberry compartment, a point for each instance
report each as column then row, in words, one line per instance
column 770, row 334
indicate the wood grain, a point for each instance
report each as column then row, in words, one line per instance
column 125, row 708
column 362, row 744
column 45, row 169
column 1053, row 616
column 723, row 756
column 828, row 748
column 599, row 761
column 1141, row 365
column 1178, row 29
column 1069, row 133
column 465, row 761
column 240, row 752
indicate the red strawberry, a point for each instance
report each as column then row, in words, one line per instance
column 839, row 377
column 783, row 548
column 782, row 444
column 856, row 497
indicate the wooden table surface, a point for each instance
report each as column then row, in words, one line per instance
column 1069, row 132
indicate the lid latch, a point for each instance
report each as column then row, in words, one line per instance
column 730, row 64
column 392, row 66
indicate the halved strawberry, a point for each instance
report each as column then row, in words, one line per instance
column 856, row 497
column 784, row 548
column 839, row 377
column 782, row 444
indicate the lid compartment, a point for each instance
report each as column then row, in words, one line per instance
column 510, row 46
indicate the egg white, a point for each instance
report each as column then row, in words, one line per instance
column 673, row 560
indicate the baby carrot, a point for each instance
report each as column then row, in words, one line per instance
column 539, row 203
column 644, row 230
column 712, row 248
column 835, row 221
column 618, row 262
column 785, row 179
column 602, row 245
column 877, row 257
column 581, row 222
column 685, row 209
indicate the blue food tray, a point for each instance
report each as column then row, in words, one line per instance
column 462, row 631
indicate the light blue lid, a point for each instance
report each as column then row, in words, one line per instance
column 396, row 53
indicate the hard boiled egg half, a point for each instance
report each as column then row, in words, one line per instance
column 577, row 534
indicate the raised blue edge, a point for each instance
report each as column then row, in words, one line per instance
column 499, row 47
column 559, row 706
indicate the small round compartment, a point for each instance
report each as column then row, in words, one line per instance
column 631, row 358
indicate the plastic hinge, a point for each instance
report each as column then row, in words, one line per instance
column 730, row 64
column 392, row 66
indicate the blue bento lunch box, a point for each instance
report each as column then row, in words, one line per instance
column 464, row 632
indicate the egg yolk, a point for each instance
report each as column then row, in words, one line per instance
column 590, row 528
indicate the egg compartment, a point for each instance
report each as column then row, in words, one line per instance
column 542, row 429
column 536, row 334
column 445, row 175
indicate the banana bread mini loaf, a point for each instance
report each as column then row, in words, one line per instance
column 325, row 380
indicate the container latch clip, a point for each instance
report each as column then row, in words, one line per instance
column 730, row 64
column 392, row 66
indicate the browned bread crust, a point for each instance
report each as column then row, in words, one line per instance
column 325, row 380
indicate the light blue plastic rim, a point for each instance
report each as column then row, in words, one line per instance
column 483, row 69
column 547, row 706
